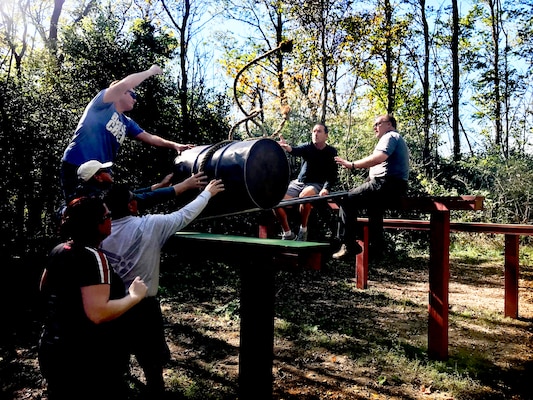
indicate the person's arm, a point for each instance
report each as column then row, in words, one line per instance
column 158, row 141
column 374, row 159
column 165, row 182
column 99, row 308
column 131, row 81
column 284, row 145
column 147, row 198
column 196, row 181
column 179, row 219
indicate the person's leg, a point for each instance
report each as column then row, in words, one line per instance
column 152, row 351
column 281, row 216
column 294, row 190
column 387, row 196
column 68, row 179
column 305, row 211
column 347, row 231
column 358, row 198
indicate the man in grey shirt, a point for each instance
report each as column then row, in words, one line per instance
column 387, row 182
column 134, row 248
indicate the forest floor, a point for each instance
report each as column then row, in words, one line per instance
column 332, row 340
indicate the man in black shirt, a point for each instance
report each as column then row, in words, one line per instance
column 317, row 175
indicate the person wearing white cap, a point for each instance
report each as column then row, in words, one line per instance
column 103, row 127
column 95, row 180
column 89, row 169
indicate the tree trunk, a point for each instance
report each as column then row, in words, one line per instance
column 426, row 152
column 388, row 58
column 455, row 83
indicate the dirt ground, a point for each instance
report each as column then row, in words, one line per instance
column 334, row 341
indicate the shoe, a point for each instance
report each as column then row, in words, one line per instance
column 292, row 236
column 302, row 236
column 347, row 252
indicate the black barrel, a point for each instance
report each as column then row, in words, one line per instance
column 255, row 173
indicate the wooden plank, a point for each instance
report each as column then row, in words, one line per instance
column 441, row 203
column 473, row 227
column 488, row 227
column 287, row 254
column 243, row 242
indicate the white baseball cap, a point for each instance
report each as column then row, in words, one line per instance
column 87, row 170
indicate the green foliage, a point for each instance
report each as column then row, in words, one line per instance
column 40, row 109
column 504, row 183
column 42, row 102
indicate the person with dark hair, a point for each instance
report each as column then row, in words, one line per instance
column 95, row 179
column 134, row 248
column 387, row 181
column 83, row 301
column 103, row 127
column 317, row 176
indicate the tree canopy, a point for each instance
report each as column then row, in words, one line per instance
column 455, row 75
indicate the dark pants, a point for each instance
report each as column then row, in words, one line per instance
column 146, row 340
column 374, row 195
column 68, row 176
column 84, row 372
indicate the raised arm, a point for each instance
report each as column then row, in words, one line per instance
column 131, row 81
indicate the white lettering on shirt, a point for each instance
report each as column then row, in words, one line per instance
column 117, row 128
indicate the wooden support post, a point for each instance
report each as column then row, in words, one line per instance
column 263, row 231
column 361, row 260
column 256, row 352
column 511, row 275
column 256, row 259
column 439, row 277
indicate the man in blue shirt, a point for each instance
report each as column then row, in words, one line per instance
column 387, row 181
column 103, row 127
column 317, row 176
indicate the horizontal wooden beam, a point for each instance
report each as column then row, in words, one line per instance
column 472, row 227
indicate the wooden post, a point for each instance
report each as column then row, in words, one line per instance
column 439, row 277
column 256, row 350
column 263, row 231
column 361, row 261
column 511, row 275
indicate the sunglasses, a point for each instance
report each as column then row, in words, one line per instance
column 379, row 123
column 132, row 94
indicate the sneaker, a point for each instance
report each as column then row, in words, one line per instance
column 347, row 252
column 292, row 236
column 302, row 236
